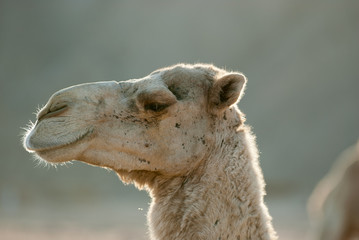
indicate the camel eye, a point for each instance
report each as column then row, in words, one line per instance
column 155, row 107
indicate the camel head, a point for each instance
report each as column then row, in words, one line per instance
column 163, row 123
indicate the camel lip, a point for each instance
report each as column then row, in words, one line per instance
column 31, row 148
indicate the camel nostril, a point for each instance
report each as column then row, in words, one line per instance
column 52, row 111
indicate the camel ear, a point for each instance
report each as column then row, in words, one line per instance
column 226, row 91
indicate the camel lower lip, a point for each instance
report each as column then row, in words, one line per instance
column 46, row 147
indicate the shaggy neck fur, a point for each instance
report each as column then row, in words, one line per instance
column 221, row 199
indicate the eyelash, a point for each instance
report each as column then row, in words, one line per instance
column 155, row 107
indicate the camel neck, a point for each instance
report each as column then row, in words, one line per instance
column 222, row 200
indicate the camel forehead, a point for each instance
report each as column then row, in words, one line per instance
column 183, row 77
column 189, row 74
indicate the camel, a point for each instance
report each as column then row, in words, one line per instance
column 176, row 133
column 333, row 205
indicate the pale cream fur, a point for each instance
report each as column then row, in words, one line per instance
column 176, row 132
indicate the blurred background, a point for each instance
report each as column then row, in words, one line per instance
column 302, row 99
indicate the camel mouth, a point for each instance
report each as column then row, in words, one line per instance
column 43, row 138
column 52, row 111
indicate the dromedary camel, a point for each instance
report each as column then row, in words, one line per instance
column 334, row 204
column 176, row 132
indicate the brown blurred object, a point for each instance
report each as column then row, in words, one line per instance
column 334, row 203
